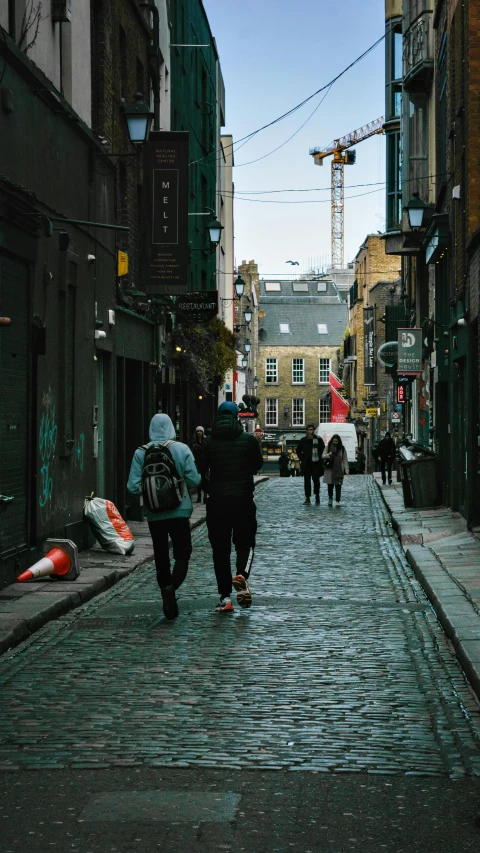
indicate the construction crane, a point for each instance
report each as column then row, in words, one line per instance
column 341, row 159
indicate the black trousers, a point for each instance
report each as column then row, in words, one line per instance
column 179, row 531
column 338, row 491
column 231, row 518
column 311, row 472
column 388, row 464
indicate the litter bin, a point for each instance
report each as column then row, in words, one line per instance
column 418, row 472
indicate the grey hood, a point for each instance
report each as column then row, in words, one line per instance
column 161, row 429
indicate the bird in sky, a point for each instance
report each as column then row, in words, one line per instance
column 293, row 263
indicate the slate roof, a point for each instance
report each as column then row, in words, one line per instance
column 286, row 289
column 302, row 311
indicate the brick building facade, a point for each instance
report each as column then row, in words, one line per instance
column 376, row 287
column 301, row 328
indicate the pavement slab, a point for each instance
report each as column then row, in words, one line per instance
column 447, row 564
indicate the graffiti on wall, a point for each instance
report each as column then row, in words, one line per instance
column 55, row 472
column 47, row 442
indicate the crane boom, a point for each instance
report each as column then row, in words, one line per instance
column 339, row 160
column 350, row 139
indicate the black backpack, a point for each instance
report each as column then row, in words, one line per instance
column 162, row 488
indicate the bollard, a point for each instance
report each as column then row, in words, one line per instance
column 60, row 561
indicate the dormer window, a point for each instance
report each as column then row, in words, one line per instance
column 322, row 329
column 284, row 328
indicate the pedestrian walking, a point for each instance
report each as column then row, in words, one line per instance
column 283, row 464
column 178, row 474
column 294, row 464
column 386, row 454
column 361, row 462
column 232, row 457
column 335, row 463
column 309, row 452
column 198, row 450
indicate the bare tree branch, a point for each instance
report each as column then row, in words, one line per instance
column 31, row 20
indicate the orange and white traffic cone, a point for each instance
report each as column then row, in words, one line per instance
column 60, row 561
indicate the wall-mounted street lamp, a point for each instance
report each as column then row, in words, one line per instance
column 139, row 120
column 415, row 210
column 248, row 315
column 247, row 346
column 244, row 361
column 255, row 381
column 215, row 231
column 214, row 227
column 239, row 286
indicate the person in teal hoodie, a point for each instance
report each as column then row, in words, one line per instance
column 174, row 522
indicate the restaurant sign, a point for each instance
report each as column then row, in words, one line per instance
column 198, row 306
column 165, row 183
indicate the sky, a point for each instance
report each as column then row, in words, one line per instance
column 274, row 54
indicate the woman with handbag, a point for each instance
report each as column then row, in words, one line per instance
column 335, row 463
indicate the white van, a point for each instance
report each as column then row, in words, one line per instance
column 347, row 433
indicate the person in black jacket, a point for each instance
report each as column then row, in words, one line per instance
column 309, row 451
column 386, row 454
column 231, row 458
column 198, row 448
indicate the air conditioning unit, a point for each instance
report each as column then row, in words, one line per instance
column 61, row 11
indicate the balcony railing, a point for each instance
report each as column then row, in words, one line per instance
column 418, row 53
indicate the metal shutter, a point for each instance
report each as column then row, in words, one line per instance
column 13, row 402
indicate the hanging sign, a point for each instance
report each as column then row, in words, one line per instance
column 197, row 306
column 368, row 347
column 387, row 354
column 165, row 183
column 409, row 352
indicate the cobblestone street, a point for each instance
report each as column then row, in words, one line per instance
column 340, row 666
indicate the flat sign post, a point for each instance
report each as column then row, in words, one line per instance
column 165, row 183
column 368, row 344
column 409, row 352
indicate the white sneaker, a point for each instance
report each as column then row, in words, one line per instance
column 338, row 503
column 244, row 596
column 330, row 502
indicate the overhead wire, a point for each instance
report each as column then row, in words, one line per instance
column 239, row 165
column 296, row 107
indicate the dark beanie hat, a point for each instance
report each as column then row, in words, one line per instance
column 228, row 407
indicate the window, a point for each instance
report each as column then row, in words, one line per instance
column 417, row 144
column 298, row 411
column 322, row 287
column 300, row 286
column 324, row 371
column 324, row 409
column 298, row 371
column 285, row 328
column 271, row 411
column 272, row 285
column 271, row 370
column 394, row 181
column 322, row 328
column 397, row 55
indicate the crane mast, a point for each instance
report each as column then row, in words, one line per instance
column 341, row 159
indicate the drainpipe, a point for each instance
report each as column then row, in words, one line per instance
column 154, row 63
